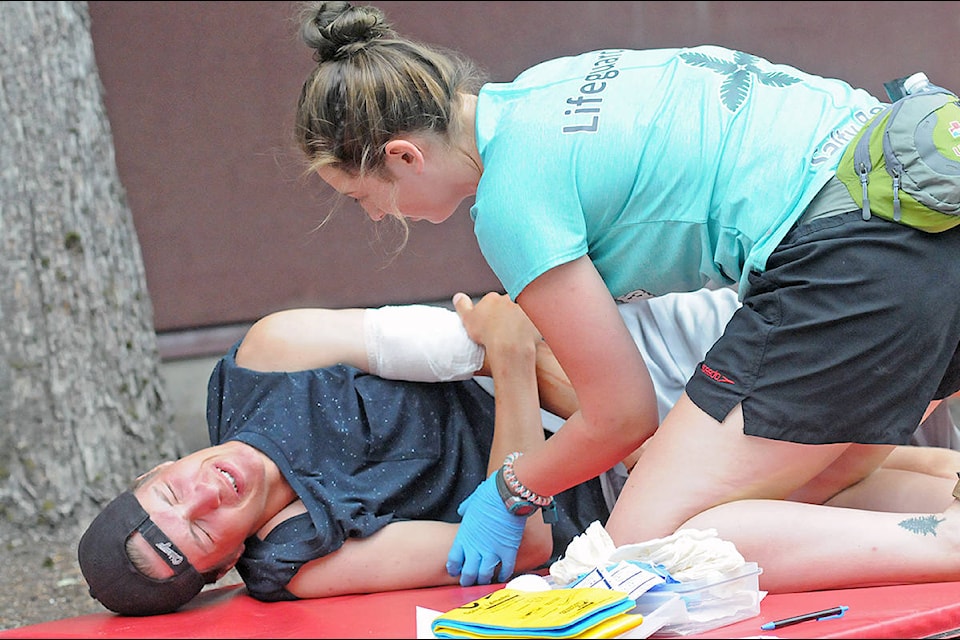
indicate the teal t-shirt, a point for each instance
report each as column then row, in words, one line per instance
column 673, row 169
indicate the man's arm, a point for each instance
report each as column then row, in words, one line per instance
column 416, row 342
column 301, row 339
column 311, row 338
column 403, row 555
column 412, row 554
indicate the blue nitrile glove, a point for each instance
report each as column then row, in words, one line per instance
column 488, row 535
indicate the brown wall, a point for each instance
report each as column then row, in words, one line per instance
column 200, row 98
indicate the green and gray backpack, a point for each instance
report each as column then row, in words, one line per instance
column 904, row 165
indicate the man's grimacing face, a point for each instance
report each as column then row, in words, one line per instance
column 207, row 503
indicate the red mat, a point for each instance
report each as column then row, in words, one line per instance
column 907, row 611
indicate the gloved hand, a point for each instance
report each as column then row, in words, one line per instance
column 488, row 535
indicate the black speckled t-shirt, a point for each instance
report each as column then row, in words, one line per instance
column 360, row 452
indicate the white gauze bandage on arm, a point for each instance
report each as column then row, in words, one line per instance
column 420, row 343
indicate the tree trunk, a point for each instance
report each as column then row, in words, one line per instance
column 82, row 407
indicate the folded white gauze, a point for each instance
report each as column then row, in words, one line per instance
column 585, row 552
column 421, row 343
column 688, row 554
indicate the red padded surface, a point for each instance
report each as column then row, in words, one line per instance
column 906, row 611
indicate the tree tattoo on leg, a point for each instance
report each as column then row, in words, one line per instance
column 922, row 524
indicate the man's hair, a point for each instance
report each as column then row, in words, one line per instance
column 141, row 561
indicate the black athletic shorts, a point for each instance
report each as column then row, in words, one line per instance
column 849, row 333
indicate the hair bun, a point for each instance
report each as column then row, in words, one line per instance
column 336, row 30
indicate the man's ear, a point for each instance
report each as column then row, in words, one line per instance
column 403, row 156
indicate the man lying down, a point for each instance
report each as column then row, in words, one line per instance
column 343, row 442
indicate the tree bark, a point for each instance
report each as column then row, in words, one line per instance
column 82, row 405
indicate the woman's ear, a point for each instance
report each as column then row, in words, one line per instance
column 404, row 155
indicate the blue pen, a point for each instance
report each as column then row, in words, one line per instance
column 825, row 614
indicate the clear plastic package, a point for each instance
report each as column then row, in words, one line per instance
column 710, row 602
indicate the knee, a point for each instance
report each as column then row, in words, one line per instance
column 943, row 462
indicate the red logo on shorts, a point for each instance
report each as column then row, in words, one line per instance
column 715, row 375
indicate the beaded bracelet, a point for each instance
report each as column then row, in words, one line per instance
column 517, row 488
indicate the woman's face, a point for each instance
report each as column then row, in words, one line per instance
column 412, row 199
column 427, row 181
column 208, row 502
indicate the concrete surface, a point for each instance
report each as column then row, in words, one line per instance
column 186, row 385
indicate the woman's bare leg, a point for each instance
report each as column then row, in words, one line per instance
column 804, row 547
column 910, row 479
column 700, row 474
column 693, row 463
column 898, row 491
column 937, row 461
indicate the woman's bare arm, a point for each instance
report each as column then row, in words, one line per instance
column 617, row 411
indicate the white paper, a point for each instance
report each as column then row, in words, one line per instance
column 425, row 618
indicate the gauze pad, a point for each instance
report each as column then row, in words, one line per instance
column 420, row 343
